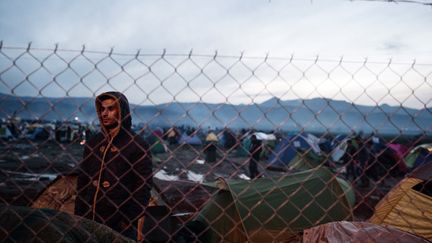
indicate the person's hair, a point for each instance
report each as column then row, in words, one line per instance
column 105, row 97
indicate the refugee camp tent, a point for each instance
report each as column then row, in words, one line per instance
column 61, row 192
column 59, row 195
column 339, row 146
column 307, row 160
column 192, row 139
column 156, row 142
column 345, row 231
column 419, row 155
column 339, row 138
column 265, row 136
column 243, row 149
column 24, row 224
column 5, row 133
column 408, row 206
column 398, row 153
column 41, row 132
column 286, row 150
column 325, row 145
column 268, row 141
column 273, row 209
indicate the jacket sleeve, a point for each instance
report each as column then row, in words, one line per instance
column 143, row 175
column 82, row 203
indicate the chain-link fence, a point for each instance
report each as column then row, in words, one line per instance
column 212, row 147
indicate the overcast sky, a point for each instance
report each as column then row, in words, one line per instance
column 256, row 27
column 332, row 27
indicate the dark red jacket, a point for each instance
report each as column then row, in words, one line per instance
column 115, row 177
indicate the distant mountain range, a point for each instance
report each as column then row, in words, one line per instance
column 314, row 115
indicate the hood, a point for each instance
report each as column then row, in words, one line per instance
column 122, row 102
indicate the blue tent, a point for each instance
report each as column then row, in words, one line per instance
column 286, row 150
column 420, row 155
column 192, row 139
column 340, row 138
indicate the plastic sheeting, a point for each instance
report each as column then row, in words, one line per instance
column 345, row 231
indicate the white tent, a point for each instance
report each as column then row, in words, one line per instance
column 264, row 136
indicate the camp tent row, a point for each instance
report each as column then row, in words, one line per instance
column 282, row 207
column 396, row 156
column 304, row 150
column 270, row 209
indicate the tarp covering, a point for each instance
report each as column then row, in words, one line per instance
column 421, row 154
column 344, row 231
column 264, row 136
column 190, row 139
column 23, row 224
column 59, row 195
column 406, row 208
column 274, row 209
column 424, row 172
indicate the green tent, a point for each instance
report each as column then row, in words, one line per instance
column 157, row 145
column 306, row 160
column 243, row 149
column 417, row 155
column 274, row 209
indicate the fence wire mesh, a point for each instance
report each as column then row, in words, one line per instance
column 220, row 148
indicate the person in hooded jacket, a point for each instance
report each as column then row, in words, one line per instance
column 115, row 175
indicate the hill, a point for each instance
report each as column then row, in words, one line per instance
column 315, row 115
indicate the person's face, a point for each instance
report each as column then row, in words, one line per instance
column 109, row 112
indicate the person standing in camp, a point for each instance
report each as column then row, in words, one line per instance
column 210, row 149
column 255, row 153
column 172, row 135
column 363, row 156
column 350, row 161
column 115, row 175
